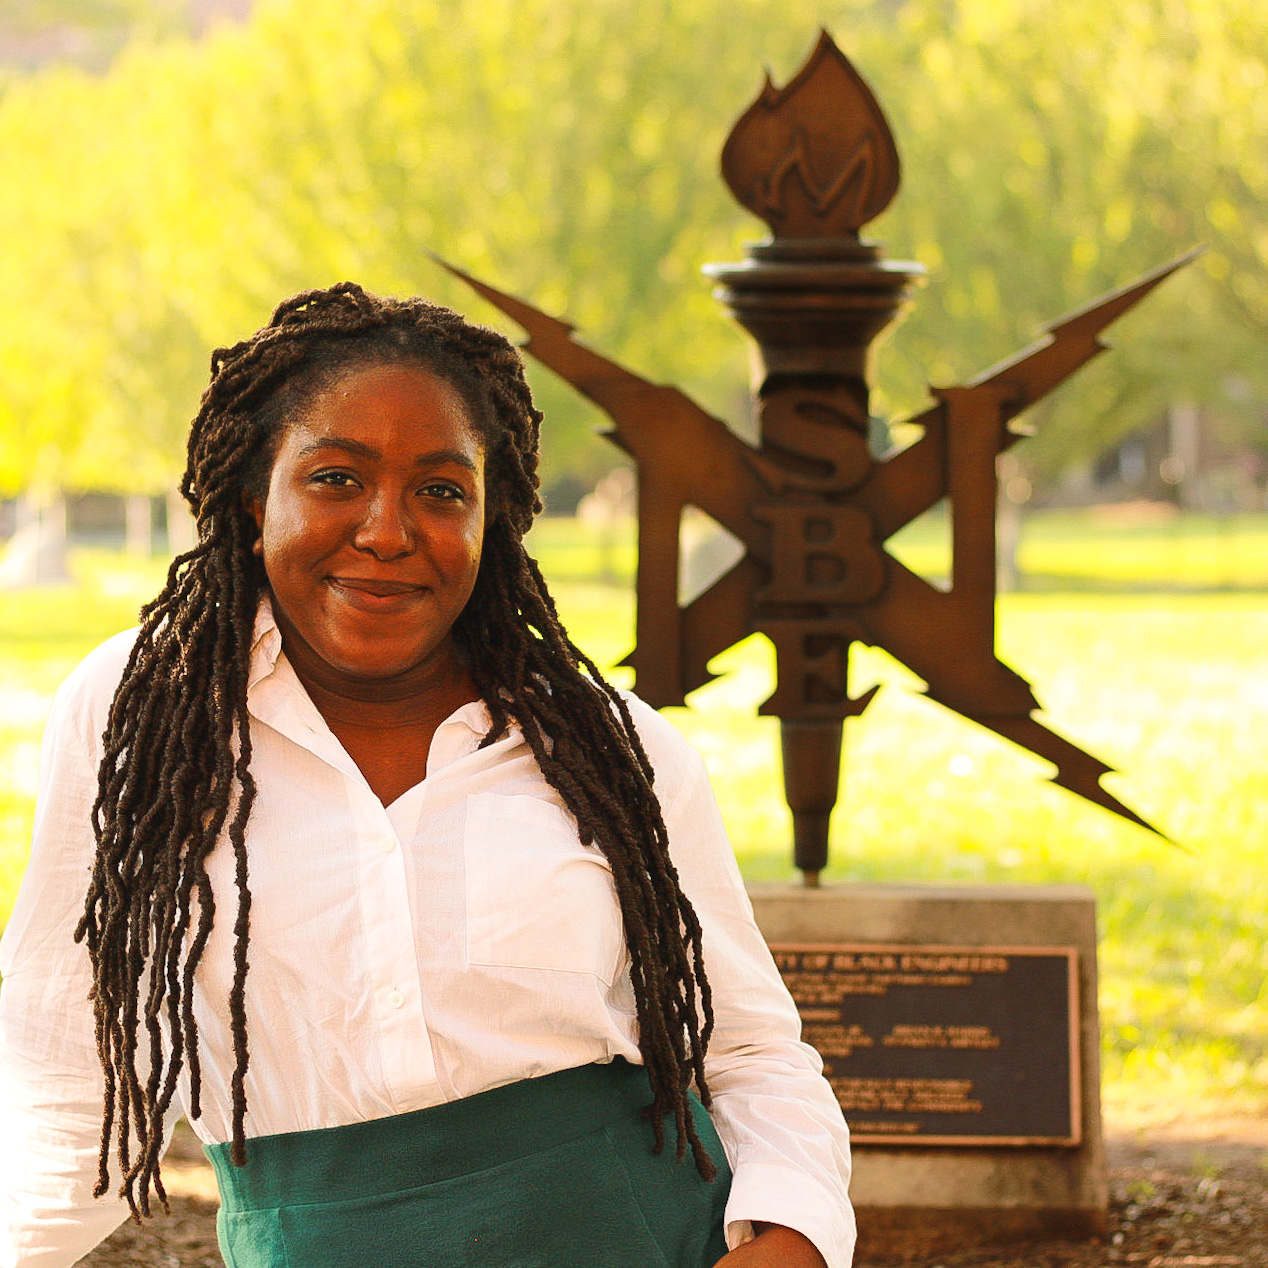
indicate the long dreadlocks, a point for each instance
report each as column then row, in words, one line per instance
column 175, row 778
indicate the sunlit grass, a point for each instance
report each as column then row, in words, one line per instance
column 1136, row 547
column 1167, row 687
column 1170, row 691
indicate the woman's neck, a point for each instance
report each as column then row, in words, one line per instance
column 429, row 690
column 388, row 710
column 385, row 725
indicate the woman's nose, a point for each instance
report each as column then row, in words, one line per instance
column 387, row 529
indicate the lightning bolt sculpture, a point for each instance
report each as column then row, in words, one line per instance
column 810, row 504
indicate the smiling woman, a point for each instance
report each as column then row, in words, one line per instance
column 488, row 935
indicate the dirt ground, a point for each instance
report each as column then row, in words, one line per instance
column 1179, row 1198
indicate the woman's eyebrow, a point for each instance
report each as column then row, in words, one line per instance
column 344, row 445
column 435, row 458
column 439, row 457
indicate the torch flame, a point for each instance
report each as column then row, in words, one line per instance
column 815, row 159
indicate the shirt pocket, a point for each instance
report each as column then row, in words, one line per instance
column 536, row 897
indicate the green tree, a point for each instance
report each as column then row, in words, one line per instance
column 568, row 151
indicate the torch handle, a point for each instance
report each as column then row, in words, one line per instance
column 812, row 773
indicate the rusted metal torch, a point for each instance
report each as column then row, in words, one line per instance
column 814, row 297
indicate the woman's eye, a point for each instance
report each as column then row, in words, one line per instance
column 333, row 479
column 444, row 490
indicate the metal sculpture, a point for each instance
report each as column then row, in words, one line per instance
column 811, row 504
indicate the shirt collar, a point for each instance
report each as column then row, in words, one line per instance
column 266, row 643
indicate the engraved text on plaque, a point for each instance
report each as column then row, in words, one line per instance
column 937, row 1045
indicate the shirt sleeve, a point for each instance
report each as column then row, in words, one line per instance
column 783, row 1131
column 50, row 1078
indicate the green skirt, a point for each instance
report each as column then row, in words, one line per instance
column 556, row 1172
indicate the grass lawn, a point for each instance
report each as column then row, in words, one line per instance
column 1164, row 681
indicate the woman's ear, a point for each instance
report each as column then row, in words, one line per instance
column 254, row 507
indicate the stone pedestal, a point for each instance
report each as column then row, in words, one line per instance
column 929, row 1199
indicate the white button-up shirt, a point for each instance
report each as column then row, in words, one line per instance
column 400, row 957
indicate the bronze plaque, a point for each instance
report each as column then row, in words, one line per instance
column 940, row 1045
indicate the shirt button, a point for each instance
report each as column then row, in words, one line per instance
column 396, row 999
column 387, row 845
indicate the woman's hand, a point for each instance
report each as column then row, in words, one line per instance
column 774, row 1247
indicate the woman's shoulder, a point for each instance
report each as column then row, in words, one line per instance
column 99, row 672
column 674, row 758
column 82, row 703
column 654, row 728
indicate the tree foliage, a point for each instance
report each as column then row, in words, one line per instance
column 568, row 150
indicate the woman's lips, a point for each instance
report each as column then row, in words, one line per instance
column 376, row 594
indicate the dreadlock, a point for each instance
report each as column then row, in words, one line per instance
column 175, row 777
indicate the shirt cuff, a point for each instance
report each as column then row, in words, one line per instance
column 766, row 1194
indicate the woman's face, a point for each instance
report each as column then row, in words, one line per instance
column 372, row 526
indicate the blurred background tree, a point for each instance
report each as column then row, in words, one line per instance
column 169, row 178
column 170, row 169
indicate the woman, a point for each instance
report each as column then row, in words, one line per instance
column 428, row 930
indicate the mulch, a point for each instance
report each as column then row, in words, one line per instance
column 1174, row 1203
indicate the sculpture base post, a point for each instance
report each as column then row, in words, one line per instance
column 811, row 753
column 959, row 1028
